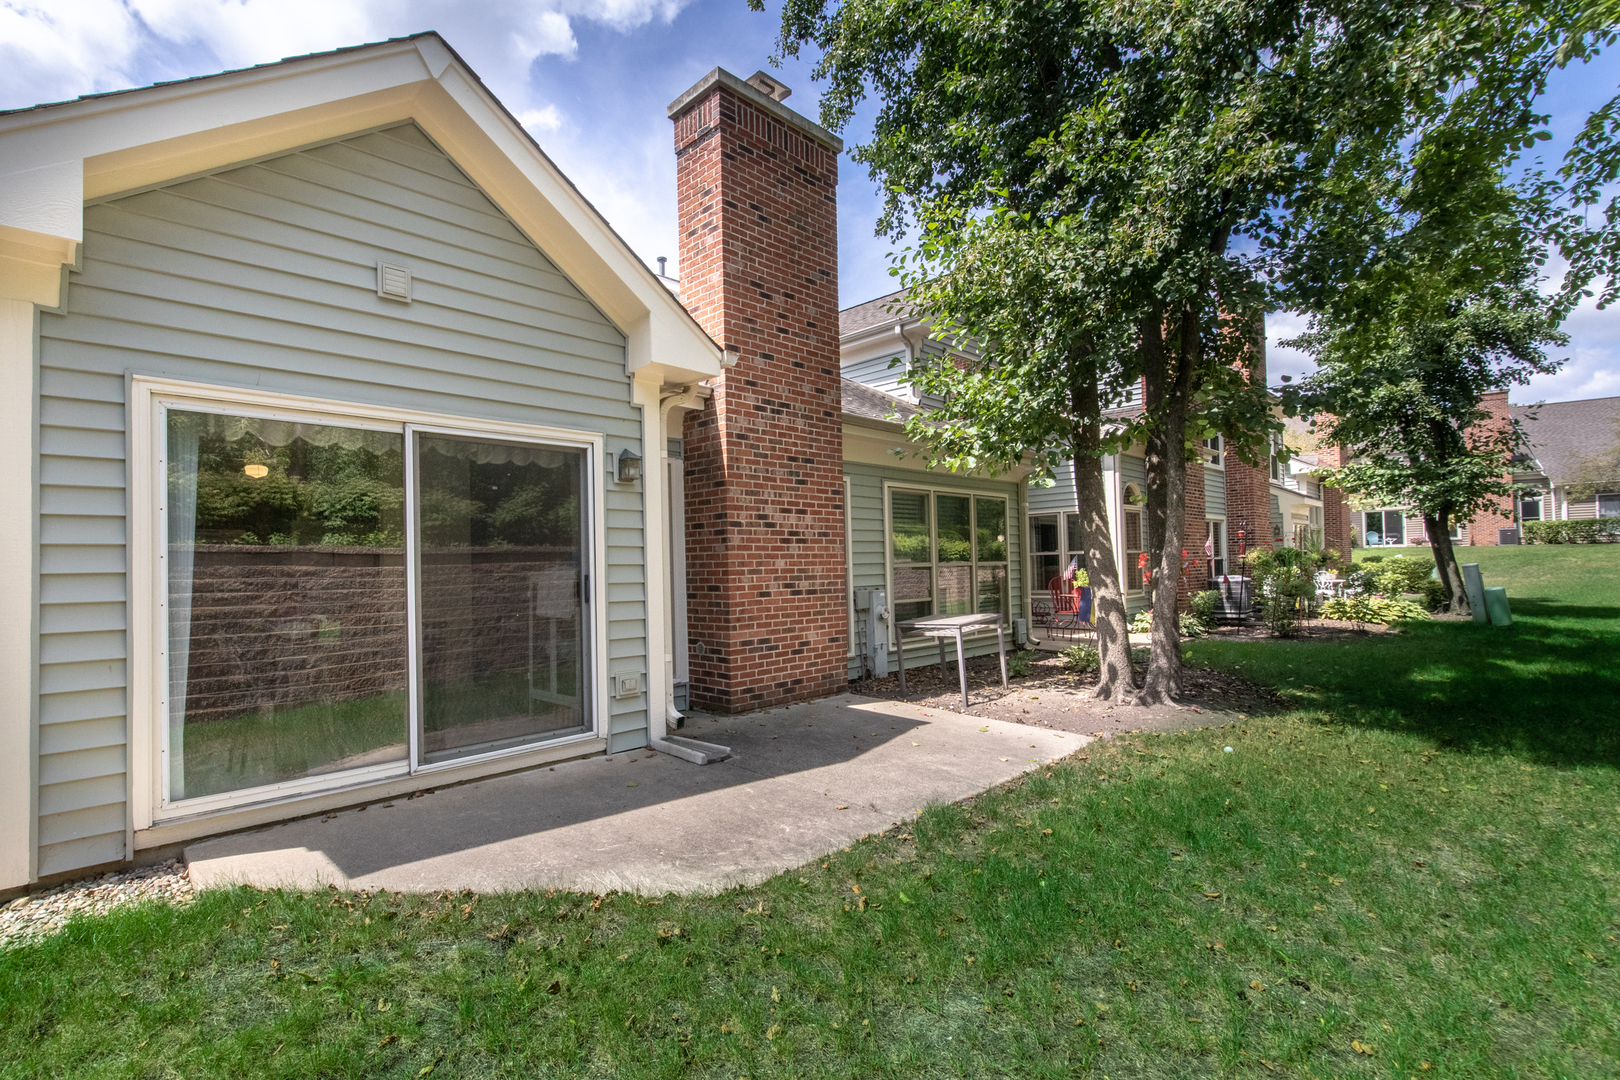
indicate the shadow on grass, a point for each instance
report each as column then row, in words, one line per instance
column 1546, row 688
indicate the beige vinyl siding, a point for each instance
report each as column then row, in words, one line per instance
column 265, row 276
column 869, row 545
column 1581, row 509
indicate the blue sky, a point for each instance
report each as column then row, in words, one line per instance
column 591, row 79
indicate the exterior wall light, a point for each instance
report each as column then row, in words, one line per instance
column 258, row 472
column 629, row 466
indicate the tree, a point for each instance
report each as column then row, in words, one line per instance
column 1050, row 359
column 1406, row 405
column 1204, row 151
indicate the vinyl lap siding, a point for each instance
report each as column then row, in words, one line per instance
column 1057, row 499
column 877, row 374
column 1214, row 492
column 265, row 276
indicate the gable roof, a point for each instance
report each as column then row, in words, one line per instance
column 1559, row 433
column 56, row 157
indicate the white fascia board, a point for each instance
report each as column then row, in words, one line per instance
column 125, row 142
column 502, row 159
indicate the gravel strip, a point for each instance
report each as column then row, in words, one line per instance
column 31, row 918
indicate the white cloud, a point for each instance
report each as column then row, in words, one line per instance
column 546, row 119
column 71, row 47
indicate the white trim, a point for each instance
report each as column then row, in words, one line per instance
column 149, row 396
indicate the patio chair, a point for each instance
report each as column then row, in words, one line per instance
column 1328, row 585
column 1071, row 608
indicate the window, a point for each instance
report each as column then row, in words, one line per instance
column 1134, row 563
column 347, row 598
column 1609, row 505
column 1530, row 506
column 948, row 554
column 1051, row 551
column 1215, row 548
column 1385, row 527
column 1214, row 449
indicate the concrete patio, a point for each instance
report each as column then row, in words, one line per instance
column 802, row 781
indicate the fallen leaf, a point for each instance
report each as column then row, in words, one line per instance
column 1212, row 896
column 555, row 987
column 845, row 807
column 776, row 995
column 384, row 1006
column 1362, row 1048
column 386, row 1039
column 775, row 1030
column 1256, row 984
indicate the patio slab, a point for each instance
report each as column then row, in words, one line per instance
column 802, row 781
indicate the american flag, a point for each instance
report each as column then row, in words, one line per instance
column 1074, row 568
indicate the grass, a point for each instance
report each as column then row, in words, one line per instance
column 1409, row 872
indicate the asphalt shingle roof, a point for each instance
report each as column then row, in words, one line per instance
column 885, row 309
column 1560, row 433
column 864, row 401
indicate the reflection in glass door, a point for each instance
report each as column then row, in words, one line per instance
column 501, row 594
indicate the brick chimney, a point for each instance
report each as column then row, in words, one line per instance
column 766, row 581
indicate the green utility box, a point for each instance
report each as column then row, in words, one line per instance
column 1496, row 603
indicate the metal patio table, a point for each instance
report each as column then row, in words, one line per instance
column 942, row 628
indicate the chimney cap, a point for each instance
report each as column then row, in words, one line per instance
column 769, row 85
column 722, row 77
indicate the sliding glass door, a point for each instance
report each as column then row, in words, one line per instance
column 500, row 593
column 349, row 599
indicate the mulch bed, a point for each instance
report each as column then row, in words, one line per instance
column 1050, row 697
column 1307, row 630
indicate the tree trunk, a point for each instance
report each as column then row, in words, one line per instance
column 1116, row 683
column 1169, row 388
column 1445, row 560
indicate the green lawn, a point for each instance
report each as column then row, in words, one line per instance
column 1411, row 873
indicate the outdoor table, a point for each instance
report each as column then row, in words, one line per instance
column 943, row 627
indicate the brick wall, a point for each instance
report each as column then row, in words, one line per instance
column 766, row 581
column 1338, row 520
column 1248, row 507
column 1482, row 530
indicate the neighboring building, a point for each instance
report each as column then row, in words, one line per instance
column 1232, row 508
column 1560, row 439
column 1567, row 443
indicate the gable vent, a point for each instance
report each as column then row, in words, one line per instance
column 393, row 282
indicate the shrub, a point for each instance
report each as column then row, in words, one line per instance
column 1402, row 574
column 1080, row 659
column 1373, row 558
column 1434, row 593
column 1018, row 663
column 1192, row 626
column 1142, row 622
column 1372, row 609
column 1205, row 605
column 1589, row 531
column 1282, row 578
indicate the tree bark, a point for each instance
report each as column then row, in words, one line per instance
column 1115, row 682
column 1169, row 390
column 1445, row 559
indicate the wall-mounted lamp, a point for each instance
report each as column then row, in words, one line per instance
column 258, row 472
column 629, row 466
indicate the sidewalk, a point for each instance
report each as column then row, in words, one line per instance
column 802, row 781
